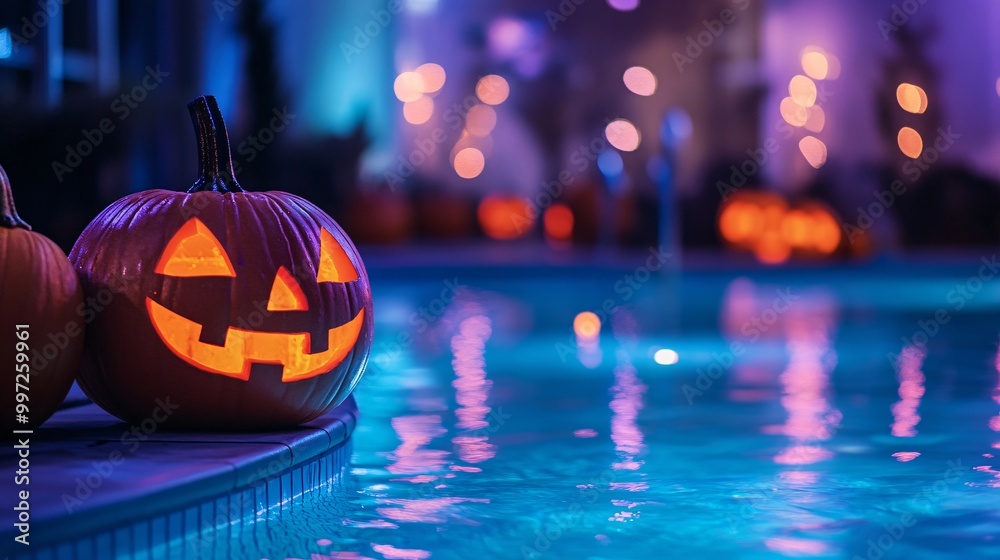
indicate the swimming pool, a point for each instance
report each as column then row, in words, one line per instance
column 829, row 413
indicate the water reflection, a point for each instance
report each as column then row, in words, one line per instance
column 805, row 321
column 425, row 467
column 994, row 424
column 414, row 433
column 911, row 389
column 805, row 384
column 626, row 404
column 472, row 389
column 995, row 421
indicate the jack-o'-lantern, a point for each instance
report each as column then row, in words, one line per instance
column 40, row 303
column 241, row 310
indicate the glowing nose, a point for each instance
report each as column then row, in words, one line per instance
column 286, row 295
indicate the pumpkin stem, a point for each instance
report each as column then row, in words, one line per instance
column 8, row 214
column 215, row 160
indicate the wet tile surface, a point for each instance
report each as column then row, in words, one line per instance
column 89, row 471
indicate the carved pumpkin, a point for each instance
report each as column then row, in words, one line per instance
column 245, row 310
column 38, row 288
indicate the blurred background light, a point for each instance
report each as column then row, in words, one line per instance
column 640, row 81
column 793, row 113
column 624, row 5
column 492, row 89
column 469, row 163
column 911, row 98
column 910, row 142
column 432, row 76
column 505, row 217
column 409, row 86
column 815, row 63
column 666, row 357
column 802, row 90
column 587, row 325
column 419, row 110
column 481, row 120
column 814, row 151
column 623, row 135
column 558, row 222
column 6, row 45
column 816, row 119
column 610, row 163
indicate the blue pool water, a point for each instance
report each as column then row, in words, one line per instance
column 825, row 413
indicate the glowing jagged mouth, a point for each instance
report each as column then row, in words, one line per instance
column 244, row 348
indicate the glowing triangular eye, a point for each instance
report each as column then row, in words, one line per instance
column 334, row 264
column 194, row 251
column 286, row 294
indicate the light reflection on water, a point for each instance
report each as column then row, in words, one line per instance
column 503, row 449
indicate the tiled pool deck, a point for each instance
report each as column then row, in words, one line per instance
column 101, row 489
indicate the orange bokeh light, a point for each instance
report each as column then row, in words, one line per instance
column 764, row 224
column 913, row 99
column 802, row 90
column 796, row 228
column 815, row 64
column 740, row 221
column 492, row 89
column 418, row 111
column 481, row 120
column 505, row 217
column 816, row 120
column 433, row 76
column 793, row 113
column 558, row 222
column 409, row 86
column 772, row 249
column 469, row 163
column 910, row 142
column 587, row 325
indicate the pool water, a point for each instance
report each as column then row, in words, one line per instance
column 824, row 413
